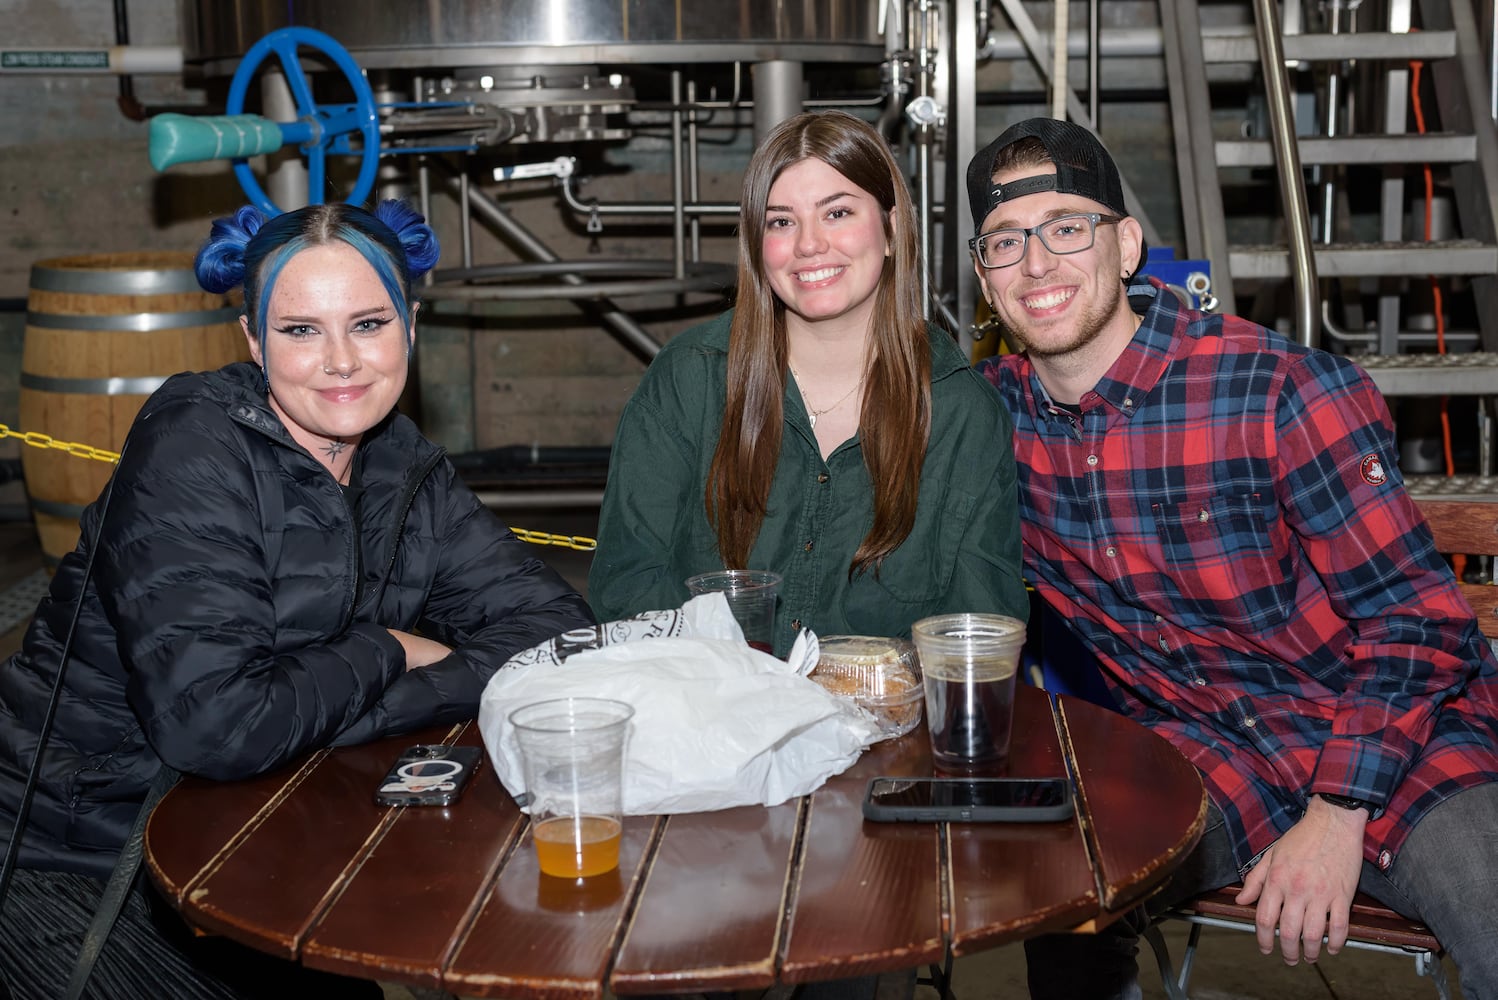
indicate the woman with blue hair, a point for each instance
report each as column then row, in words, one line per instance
column 281, row 563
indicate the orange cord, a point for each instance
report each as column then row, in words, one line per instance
column 1458, row 561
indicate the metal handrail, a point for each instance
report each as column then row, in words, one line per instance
column 1287, row 163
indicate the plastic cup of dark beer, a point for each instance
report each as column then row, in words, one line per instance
column 751, row 595
column 969, row 663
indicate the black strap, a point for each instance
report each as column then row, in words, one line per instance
column 117, row 890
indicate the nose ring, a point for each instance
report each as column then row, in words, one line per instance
column 334, row 371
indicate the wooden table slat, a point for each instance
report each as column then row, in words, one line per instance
column 703, row 923
column 438, row 862
column 1120, row 789
column 867, row 893
column 1012, row 880
column 268, row 896
column 190, row 828
column 553, row 937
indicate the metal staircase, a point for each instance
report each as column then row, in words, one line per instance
column 1358, row 283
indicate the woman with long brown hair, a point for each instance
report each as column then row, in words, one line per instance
column 820, row 429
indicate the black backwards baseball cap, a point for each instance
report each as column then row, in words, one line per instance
column 1083, row 167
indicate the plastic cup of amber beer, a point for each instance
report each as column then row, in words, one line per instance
column 572, row 755
column 968, row 666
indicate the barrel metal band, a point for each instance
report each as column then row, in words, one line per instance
column 56, row 508
column 105, row 282
column 134, row 322
column 114, row 386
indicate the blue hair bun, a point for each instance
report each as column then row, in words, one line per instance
column 220, row 261
column 416, row 237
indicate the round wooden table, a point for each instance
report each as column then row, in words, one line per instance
column 302, row 863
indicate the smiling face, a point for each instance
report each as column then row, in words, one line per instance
column 824, row 245
column 335, row 350
column 1056, row 305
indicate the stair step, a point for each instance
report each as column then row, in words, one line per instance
column 1243, row 46
column 1470, row 374
column 1433, row 147
column 1370, row 260
column 1483, row 488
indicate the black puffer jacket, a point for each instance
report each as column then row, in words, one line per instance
column 234, row 621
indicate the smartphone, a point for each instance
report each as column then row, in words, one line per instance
column 969, row 800
column 430, row 774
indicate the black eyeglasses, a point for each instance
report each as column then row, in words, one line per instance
column 1062, row 235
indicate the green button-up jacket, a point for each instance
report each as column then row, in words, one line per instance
column 963, row 553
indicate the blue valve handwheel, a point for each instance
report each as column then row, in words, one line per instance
column 316, row 128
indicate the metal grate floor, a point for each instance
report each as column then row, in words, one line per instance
column 18, row 603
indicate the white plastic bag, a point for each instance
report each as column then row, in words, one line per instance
column 717, row 723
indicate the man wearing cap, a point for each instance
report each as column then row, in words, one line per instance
column 1217, row 513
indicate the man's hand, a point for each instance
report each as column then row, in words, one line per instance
column 420, row 652
column 1307, row 876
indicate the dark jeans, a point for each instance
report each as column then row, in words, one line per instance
column 150, row 954
column 1446, row 876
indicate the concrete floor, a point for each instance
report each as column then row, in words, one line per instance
column 1228, row 964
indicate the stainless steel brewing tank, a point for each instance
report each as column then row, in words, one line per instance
column 404, row 34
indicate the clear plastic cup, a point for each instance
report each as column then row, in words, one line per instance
column 572, row 753
column 968, row 666
column 751, row 594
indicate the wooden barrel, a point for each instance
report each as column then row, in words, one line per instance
column 103, row 332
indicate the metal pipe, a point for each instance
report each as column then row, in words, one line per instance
column 464, row 193
column 777, row 94
column 285, row 174
column 923, row 35
column 1333, row 129
column 103, row 60
column 694, row 190
column 424, row 197
column 569, row 195
column 423, row 176
column 1115, row 43
column 499, row 499
column 1341, row 336
column 962, row 132
column 1287, row 161
column 923, row 181
column 1094, row 81
column 623, row 325
column 1060, row 34
column 678, row 184
column 1493, row 62
column 129, row 106
column 743, row 105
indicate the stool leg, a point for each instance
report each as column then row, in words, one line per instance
column 1173, row 990
column 1428, row 963
column 1190, row 956
column 940, row 977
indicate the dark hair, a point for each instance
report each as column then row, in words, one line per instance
column 1020, row 154
column 248, row 249
column 895, row 422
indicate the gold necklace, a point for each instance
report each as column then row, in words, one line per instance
column 812, row 414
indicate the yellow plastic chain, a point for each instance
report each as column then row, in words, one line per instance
column 579, row 542
column 39, row 440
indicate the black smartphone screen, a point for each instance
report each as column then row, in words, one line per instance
column 969, row 799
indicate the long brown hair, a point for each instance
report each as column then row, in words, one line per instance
column 895, row 423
